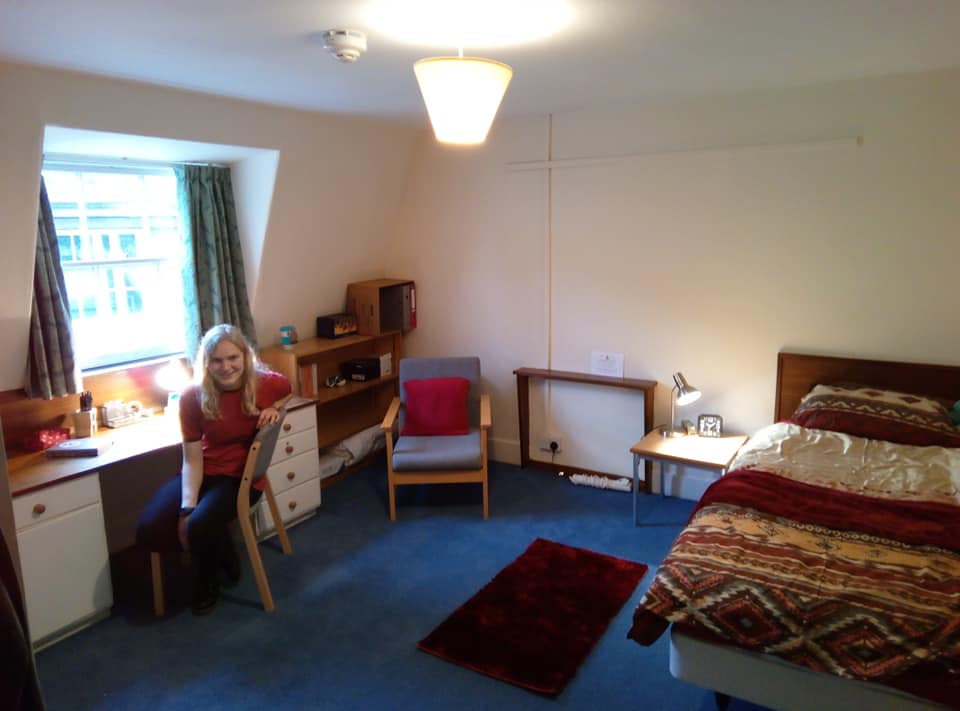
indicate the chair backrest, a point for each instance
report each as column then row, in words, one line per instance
column 261, row 451
column 451, row 367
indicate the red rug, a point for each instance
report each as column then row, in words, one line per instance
column 538, row 619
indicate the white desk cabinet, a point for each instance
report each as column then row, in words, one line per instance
column 294, row 471
column 63, row 556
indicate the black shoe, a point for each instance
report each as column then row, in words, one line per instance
column 206, row 596
column 230, row 566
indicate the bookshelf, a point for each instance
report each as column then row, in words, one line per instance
column 346, row 409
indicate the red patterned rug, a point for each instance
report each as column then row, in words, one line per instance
column 538, row 619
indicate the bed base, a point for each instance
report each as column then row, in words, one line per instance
column 770, row 681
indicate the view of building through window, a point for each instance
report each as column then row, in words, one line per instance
column 121, row 249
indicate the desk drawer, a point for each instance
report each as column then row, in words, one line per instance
column 53, row 501
column 298, row 420
column 294, row 471
column 295, row 444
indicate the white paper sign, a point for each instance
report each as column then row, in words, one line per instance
column 602, row 363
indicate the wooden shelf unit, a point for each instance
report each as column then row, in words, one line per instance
column 346, row 409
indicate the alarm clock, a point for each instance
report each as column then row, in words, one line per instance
column 710, row 425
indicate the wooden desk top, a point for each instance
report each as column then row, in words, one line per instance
column 29, row 472
column 710, row 452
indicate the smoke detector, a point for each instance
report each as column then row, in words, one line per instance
column 345, row 45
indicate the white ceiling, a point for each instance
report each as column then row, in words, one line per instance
column 614, row 51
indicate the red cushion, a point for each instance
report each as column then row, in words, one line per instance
column 436, row 406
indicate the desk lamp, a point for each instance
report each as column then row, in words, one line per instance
column 173, row 377
column 685, row 394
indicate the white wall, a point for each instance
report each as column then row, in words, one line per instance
column 834, row 249
column 704, row 261
column 336, row 192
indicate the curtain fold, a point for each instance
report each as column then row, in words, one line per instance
column 51, row 363
column 214, row 285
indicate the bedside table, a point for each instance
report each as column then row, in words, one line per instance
column 704, row 452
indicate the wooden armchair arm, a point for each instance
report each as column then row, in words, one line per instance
column 391, row 416
column 485, row 421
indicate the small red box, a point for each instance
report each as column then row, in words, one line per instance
column 43, row 439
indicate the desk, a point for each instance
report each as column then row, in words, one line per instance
column 705, row 452
column 30, row 472
column 523, row 403
column 61, row 509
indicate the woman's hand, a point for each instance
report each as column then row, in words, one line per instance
column 268, row 416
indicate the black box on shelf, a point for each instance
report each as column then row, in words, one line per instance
column 361, row 369
column 336, row 325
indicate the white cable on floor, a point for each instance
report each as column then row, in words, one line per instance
column 601, row 482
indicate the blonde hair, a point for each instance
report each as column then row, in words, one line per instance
column 209, row 392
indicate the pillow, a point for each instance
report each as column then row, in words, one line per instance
column 863, row 411
column 436, row 406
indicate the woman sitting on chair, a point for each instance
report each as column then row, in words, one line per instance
column 219, row 416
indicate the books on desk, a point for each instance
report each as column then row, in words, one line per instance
column 80, row 447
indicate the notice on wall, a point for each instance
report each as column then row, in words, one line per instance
column 609, row 364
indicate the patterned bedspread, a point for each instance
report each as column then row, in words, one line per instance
column 860, row 585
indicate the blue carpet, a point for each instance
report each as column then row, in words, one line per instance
column 357, row 595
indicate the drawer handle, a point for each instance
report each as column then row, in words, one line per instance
column 287, row 427
column 291, row 476
column 289, row 449
column 39, row 509
column 292, row 505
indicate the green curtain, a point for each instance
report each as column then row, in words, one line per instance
column 215, row 289
column 51, row 364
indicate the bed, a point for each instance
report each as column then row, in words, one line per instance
column 823, row 571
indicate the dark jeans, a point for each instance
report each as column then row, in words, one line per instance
column 207, row 529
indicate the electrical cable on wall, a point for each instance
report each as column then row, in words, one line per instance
column 548, row 257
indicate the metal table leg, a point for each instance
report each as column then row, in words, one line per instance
column 636, row 485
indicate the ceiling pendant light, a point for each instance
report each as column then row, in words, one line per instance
column 462, row 95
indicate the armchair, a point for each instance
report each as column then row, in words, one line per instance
column 443, row 423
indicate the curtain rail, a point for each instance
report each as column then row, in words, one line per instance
column 848, row 141
column 80, row 161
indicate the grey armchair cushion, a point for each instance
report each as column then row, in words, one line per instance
column 450, row 452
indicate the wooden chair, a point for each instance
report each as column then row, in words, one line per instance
column 258, row 461
column 450, row 459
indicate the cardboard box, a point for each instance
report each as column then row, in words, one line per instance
column 383, row 305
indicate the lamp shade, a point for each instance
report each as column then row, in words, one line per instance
column 686, row 393
column 462, row 95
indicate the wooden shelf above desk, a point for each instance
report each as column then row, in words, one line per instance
column 523, row 404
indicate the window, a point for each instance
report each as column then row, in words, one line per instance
column 121, row 249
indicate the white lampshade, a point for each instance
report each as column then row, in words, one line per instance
column 686, row 393
column 462, row 95
column 173, row 377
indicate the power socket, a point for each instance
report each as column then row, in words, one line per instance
column 551, row 443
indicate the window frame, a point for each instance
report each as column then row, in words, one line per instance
column 124, row 285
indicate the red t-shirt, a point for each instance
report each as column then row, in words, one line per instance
column 226, row 441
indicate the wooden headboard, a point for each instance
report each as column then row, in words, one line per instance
column 797, row 373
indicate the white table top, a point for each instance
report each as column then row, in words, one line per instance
column 715, row 452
